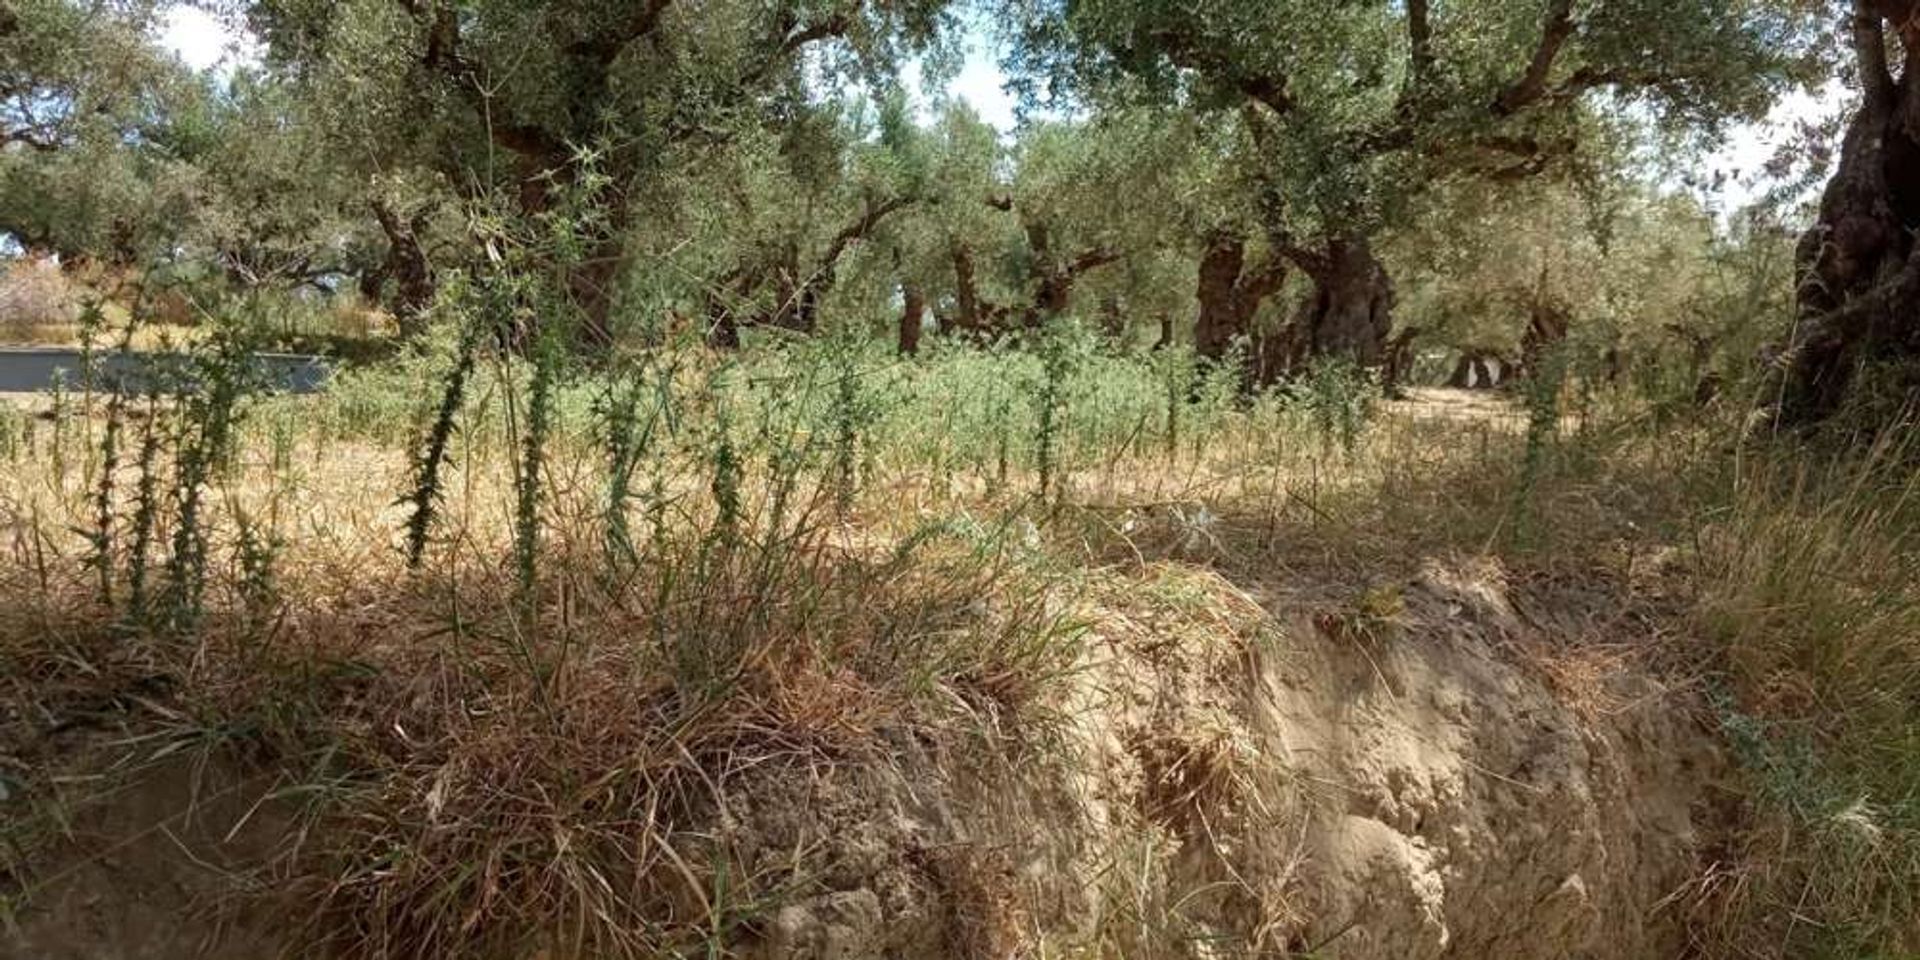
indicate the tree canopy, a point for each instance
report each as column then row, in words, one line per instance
column 1276, row 182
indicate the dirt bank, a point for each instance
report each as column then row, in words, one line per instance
column 1423, row 768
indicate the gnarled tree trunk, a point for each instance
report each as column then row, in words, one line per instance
column 372, row 282
column 1053, row 280
column 1230, row 295
column 407, row 266
column 1399, row 361
column 912, row 311
column 1351, row 308
column 1858, row 265
column 1224, row 314
column 1547, row 326
column 966, row 290
column 797, row 288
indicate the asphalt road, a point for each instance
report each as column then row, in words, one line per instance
column 29, row 369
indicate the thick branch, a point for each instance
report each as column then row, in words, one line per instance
column 1056, row 283
column 1419, row 50
column 1096, row 257
column 36, row 141
column 797, row 37
column 1039, row 241
column 1517, row 146
column 1870, row 58
column 1189, row 54
column 792, row 36
column 799, row 295
column 859, row 229
column 1262, row 283
column 593, row 56
column 966, row 288
column 406, row 264
column 443, row 55
column 1590, row 78
column 1314, row 264
column 1269, row 91
column 1532, row 83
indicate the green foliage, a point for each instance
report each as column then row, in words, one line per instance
column 425, row 496
column 258, row 549
column 102, row 558
column 851, row 412
column 724, row 486
column 210, row 401
column 1339, row 398
column 1541, row 388
column 1175, row 367
column 1656, row 294
column 630, row 438
column 1057, row 351
column 146, row 514
column 530, row 473
column 1810, row 605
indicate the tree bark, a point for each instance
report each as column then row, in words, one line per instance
column 1399, row 361
column 1547, row 326
column 976, row 317
column 1113, row 318
column 373, row 282
column 1351, row 308
column 544, row 152
column 414, row 285
column 1224, row 313
column 1858, row 293
column 966, row 290
column 798, row 289
column 1230, row 295
column 911, row 315
column 1055, row 283
column 1053, row 280
column 1462, row 376
column 723, row 324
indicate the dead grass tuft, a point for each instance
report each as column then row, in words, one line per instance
column 986, row 918
column 1185, row 777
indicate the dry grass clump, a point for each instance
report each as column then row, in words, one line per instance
column 986, row 920
column 1810, row 596
column 1184, row 778
column 485, row 788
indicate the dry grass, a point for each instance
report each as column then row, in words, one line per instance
column 482, row 782
column 1810, row 597
column 494, row 784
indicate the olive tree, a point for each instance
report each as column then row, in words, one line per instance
column 527, row 98
column 1350, row 110
column 1858, row 265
